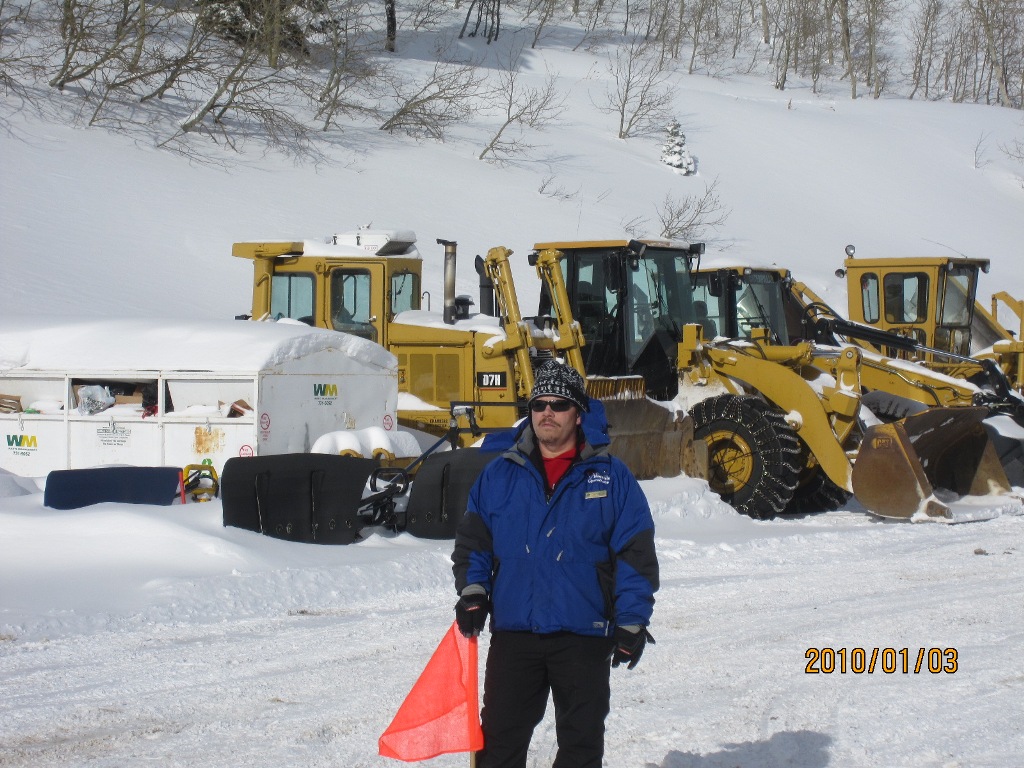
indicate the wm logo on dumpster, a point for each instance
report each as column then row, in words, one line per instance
column 22, row 445
column 325, row 393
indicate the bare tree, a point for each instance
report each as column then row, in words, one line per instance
column 18, row 57
column 992, row 22
column 430, row 106
column 639, row 95
column 545, row 11
column 702, row 26
column 348, row 68
column 523, row 108
column 1014, row 150
column 635, row 227
column 846, row 35
column 766, row 36
column 391, row 23
column 876, row 31
column 239, row 88
column 167, row 64
column 980, row 150
column 690, row 217
column 488, row 14
column 426, row 14
column 969, row 50
column 550, row 188
column 924, row 39
column 93, row 34
column 595, row 18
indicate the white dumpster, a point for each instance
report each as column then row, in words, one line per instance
column 183, row 393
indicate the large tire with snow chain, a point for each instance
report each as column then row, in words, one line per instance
column 753, row 454
column 818, row 494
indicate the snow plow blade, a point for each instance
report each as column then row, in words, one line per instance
column 901, row 465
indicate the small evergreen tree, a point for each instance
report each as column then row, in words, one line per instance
column 674, row 152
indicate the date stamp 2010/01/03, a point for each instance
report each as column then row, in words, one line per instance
column 887, row 660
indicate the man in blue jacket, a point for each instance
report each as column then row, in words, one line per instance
column 557, row 544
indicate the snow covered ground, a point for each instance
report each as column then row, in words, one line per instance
column 137, row 635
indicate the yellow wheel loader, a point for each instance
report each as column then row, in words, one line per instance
column 781, row 417
column 972, row 396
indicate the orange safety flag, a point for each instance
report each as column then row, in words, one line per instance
column 440, row 714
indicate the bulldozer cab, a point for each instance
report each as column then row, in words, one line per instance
column 335, row 286
column 929, row 300
column 733, row 302
column 631, row 300
column 349, row 292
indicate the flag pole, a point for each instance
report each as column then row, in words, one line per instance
column 474, row 681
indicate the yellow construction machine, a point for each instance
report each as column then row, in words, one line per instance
column 369, row 284
column 900, row 373
column 780, row 415
column 932, row 300
column 475, row 369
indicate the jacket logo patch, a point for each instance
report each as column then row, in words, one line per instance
column 597, row 484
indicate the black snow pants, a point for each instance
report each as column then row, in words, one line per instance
column 522, row 668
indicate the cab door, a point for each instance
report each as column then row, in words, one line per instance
column 355, row 300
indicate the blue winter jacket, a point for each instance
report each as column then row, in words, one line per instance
column 581, row 561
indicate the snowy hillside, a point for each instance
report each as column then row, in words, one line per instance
column 106, row 224
column 134, row 635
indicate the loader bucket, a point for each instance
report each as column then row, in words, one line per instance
column 900, row 465
column 650, row 439
column 651, row 442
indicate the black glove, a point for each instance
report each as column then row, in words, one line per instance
column 471, row 613
column 629, row 646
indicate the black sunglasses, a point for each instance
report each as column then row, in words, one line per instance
column 558, row 406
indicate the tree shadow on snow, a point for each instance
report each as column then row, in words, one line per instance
column 798, row 749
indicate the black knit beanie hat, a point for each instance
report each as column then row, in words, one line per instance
column 557, row 380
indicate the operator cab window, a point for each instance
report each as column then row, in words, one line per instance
column 594, row 305
column 956, row 298
column 350, row 303
column 405, row 292
column 869, row 297
column 291, row 295
column 644, row 308
column 759, row 305
column 906, row 297
column 706, row 310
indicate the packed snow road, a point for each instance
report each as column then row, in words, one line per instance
column 140, row 635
